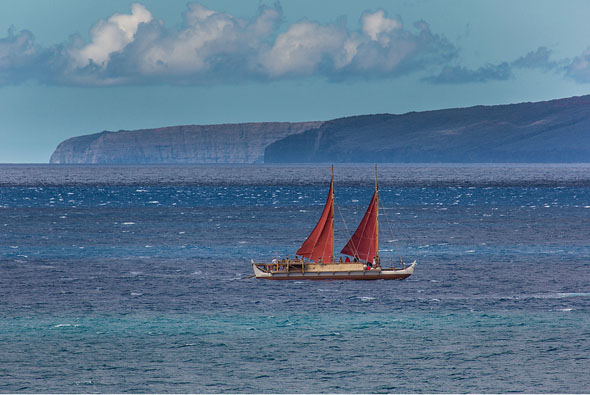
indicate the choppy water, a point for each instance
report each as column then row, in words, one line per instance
column 122, row 278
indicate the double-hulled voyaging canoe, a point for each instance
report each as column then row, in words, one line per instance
column 316, row 260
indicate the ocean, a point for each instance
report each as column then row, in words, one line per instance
column 134, row 279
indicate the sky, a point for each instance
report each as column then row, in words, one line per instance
column 75, row 67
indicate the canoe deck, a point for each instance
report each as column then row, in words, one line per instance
column 334, row 271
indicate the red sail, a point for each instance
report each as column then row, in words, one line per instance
column 320, row 243
column 364, row 242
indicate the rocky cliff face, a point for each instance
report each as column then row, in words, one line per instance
column 229, row 143
column 551, row 131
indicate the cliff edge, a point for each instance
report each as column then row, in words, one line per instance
column 227, row 143
column 541, row 132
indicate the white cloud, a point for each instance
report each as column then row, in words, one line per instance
column 16, row 48
column 381, row 48
column 17, row 54
column 111, row 36
column 377, row 26
column 215, row 47
column 209, row 42
column 302, row 48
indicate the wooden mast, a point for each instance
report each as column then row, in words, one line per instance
column 319, row 245
column 332, row 185
column 377, row 218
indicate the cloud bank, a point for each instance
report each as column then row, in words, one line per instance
column 213, row 47
column 577, row 69
column 18, row 55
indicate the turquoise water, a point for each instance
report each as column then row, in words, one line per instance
column 134, row 284
column 377, row 352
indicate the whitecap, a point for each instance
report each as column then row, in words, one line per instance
column 127, row 223
column 567, row 309
column 560, row 295
column 366, row 298
column 136, row 294
column 153, row 202
column 181, row 233
column 571, row 294
column 66, row 325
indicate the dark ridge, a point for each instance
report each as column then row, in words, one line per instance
column 556, row 131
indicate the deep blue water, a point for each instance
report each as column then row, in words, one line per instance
column 132, row 279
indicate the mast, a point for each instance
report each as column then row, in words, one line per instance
column 364, row 243
column 376, row 217
column 319, row 245
column 332, row 189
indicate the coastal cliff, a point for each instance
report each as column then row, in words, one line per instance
column 228, row 143
column 541, row 132
column 550, row 131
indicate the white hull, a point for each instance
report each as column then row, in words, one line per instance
column 382, row 274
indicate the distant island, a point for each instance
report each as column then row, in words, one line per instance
column 542, row 132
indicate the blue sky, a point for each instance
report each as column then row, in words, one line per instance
column 74, row 67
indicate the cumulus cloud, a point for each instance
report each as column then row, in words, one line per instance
column 110, row 36
column 216, row 47
column 579, row 68
column 213, row 47
column 18, row 54
column 537, row 59
column 462, row 75
column 381, row 48
column 376, row 25
column 303, row 48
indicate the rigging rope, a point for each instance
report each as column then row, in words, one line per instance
column 343, row 221
column 392, row 236
column 350, row 235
